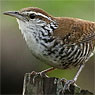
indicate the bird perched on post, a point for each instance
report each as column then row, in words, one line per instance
column 60, row 42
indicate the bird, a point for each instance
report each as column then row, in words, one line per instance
column 60, row 42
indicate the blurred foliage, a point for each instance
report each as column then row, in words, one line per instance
column 83, row 9
column 73, row 8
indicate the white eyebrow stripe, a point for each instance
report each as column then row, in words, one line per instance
column 39, row 14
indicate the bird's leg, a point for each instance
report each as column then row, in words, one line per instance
column 69, row 82
column 78, row 72
column 42, row 73
column 47, row 70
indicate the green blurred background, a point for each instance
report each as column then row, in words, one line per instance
column 16, row 59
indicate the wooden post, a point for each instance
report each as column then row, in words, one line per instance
column 48, row 86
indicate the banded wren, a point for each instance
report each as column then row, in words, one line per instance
column 60, row 42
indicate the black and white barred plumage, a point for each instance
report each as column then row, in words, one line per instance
column 61, row 52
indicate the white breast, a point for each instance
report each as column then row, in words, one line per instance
column 35, row 47
column 31, row 32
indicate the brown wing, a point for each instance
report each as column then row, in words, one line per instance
column 89, row 38
column 73, row 30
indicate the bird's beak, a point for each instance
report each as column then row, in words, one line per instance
column 15, row 14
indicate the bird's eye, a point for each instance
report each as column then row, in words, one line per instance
column 32, row 16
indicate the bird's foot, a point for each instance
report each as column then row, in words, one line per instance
column 42, row 73
column 67, row 85
column 37, row 74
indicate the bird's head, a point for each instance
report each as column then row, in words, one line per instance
column 34, row 23
column 31, row 17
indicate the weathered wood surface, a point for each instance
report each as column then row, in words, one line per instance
column 48, row 86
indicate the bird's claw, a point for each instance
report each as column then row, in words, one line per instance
column 36, row 74
column 67, row 85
